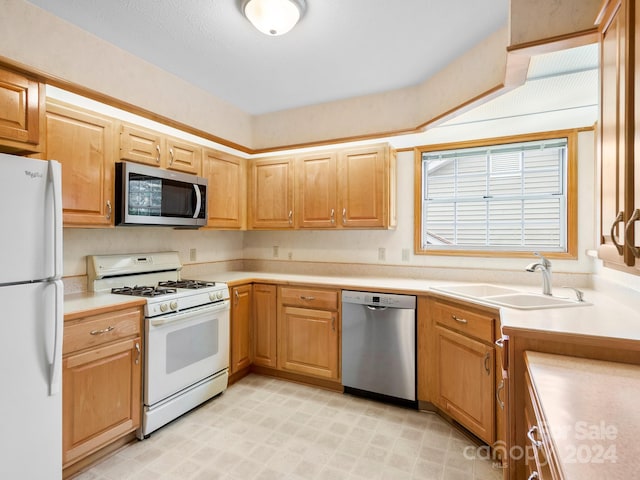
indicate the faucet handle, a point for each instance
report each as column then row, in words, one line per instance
column 545, row 261
column 579, row 293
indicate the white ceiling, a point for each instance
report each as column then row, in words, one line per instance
column 340, row 49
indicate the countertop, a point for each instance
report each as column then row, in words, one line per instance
column 591, row 412
column 78, row 305
column 610, row 315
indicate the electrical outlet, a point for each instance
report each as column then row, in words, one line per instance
column 382, row 254
column 290, row 255
column 406, row 254
column 275, row 251
column 192, row 254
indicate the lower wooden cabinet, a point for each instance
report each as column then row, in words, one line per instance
column 101, row 397
column 308, row 332
column 241, row 327
column 457, row 365
column 265, row 339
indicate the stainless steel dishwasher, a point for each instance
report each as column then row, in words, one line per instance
column 379, row 345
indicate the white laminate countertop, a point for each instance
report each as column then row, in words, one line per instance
column 609, row 315
column 591, row 412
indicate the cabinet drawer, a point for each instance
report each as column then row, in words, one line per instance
column 100, row 329
column 309, row 297
column 539, row 461
column 466, row 321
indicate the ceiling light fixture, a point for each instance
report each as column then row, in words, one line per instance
column 274, row 17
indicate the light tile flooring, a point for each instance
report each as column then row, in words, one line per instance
column 267, row 429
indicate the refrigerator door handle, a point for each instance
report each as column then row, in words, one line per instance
column 55, row 174
column 55, row 373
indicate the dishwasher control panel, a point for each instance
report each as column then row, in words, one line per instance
column 390, row 300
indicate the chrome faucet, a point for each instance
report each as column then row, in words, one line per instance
column 544, row 265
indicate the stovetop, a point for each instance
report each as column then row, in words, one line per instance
column 164, row 288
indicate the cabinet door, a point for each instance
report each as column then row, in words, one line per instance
column 615, row 148
column 264, row 325
column 100, row 397
column 141, row 146
column 465, row 382
column 634, row 229
column 364, row 189
column 21, row 113
column 241, row 307
column 183, row 157
column 83, row 143
column 226, row 192
column 309, row 342
column 316, row 190
column 271, row 193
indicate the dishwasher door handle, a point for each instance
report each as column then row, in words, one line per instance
column 376, row 307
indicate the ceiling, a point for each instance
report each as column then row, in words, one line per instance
column 340, row 48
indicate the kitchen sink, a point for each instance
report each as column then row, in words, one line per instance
column 476, row 290
column 509, row 297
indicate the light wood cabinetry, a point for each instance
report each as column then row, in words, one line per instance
column 21, row 113
column 101, row 396
column 461, row 368
column 619, row 136
column 226, row 191
column 241, row 327
column 350, row 188
column 367, row 183
column 317, row 190
column 271, row 184
column 265, row 310
column 83, row 142
column 308, row 331
column 145, row 146
column 539, row 458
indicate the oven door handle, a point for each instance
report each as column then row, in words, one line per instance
column 186, row 315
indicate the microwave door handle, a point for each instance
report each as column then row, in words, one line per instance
column 198, row 201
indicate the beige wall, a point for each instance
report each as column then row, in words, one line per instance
column 536, row 20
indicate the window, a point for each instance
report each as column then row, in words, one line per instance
column 506, row 196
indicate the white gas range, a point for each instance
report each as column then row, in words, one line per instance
column 186, row 331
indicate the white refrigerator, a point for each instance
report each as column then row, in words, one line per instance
column 31, row 319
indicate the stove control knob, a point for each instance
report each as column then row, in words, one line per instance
column 219, row 295
column 212, row 296
column 163, row 307
column 174, row 305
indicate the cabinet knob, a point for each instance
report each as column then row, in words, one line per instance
column 333, row 216
column 109, row 210
column 487, row 365
column 102, row 332
column 619, row 218
column 172, row 156
column 459, row 319
column 533, row 476
column 628, row 229
column 290, row 217
column 158, row 150
column 530, row 435
column 137, row 347
column 344, row 216
column 498, row 390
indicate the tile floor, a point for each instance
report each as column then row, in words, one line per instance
column 267, row 429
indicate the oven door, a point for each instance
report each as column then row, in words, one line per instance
column 184, row 348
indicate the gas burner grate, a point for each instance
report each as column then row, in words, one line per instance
column 191, row 284
column 143, row 291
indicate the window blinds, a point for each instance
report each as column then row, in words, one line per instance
column 502, row 197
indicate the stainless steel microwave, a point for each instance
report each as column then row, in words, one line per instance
column 153, row 196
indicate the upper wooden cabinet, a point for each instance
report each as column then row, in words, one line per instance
column 351, row 188
column 619, row 137
column 366, row 186
column 83, row 142
column 226, row 192
column 316, row 190
column 152, row 148
column 21, row 113
column 271, row 183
